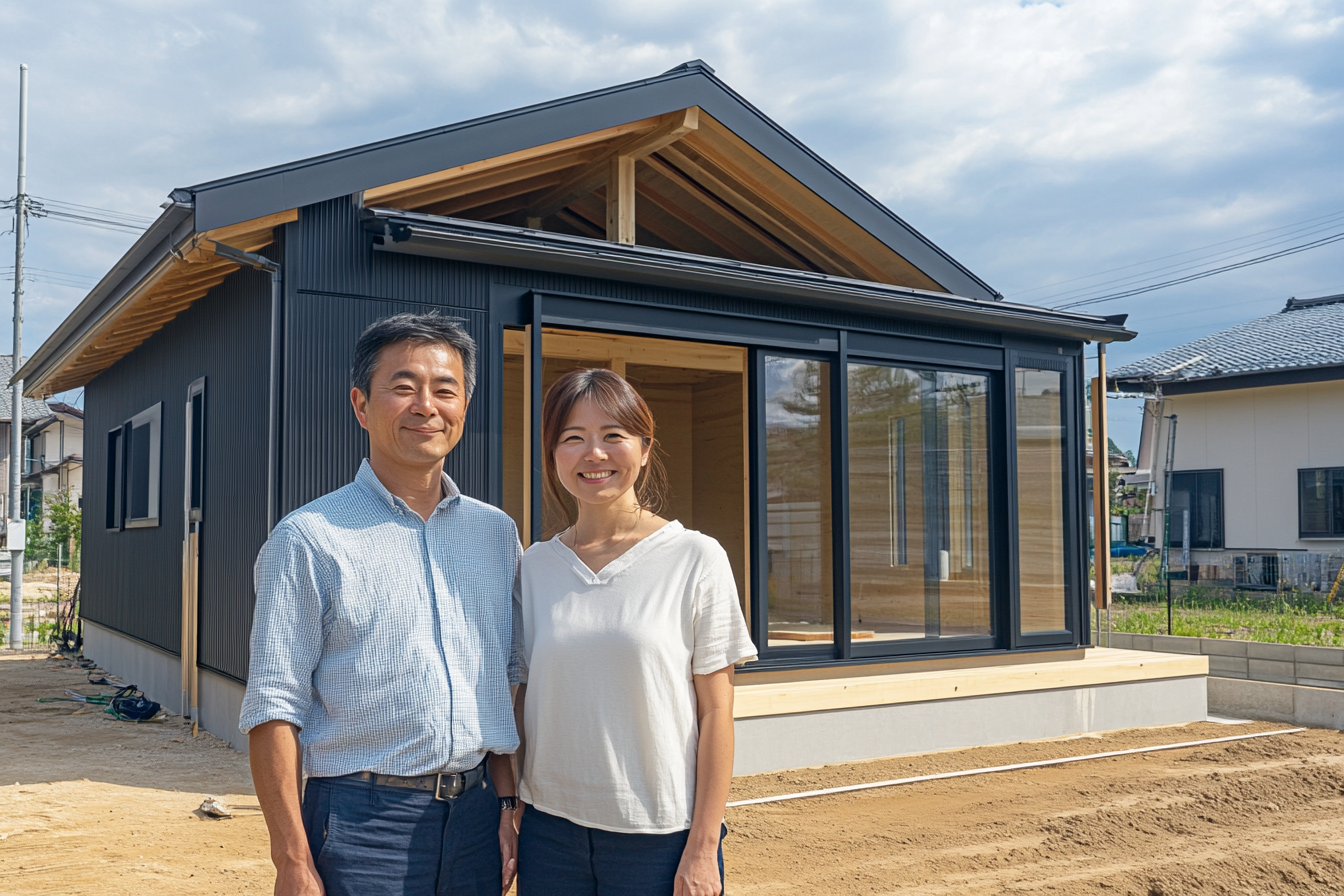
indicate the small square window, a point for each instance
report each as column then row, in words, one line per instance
column 1320, row 502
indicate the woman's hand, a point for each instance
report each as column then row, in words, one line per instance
column 698, row 872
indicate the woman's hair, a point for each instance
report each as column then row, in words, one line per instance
column 617, row 398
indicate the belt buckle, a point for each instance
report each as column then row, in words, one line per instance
column 458, row 785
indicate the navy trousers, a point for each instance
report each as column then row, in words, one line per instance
column 557, row 857
column 378, row 841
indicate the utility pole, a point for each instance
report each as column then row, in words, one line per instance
column 16, row 522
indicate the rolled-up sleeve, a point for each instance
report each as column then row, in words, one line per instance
column 286, row 632
column 517, row 660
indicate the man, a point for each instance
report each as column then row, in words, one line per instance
column 385, row 641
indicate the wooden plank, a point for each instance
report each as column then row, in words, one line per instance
column 1098, row 666
column 644, row 350
column 456, row 205
column 822, row 220
column 710, row 215
column 452, row 189
column 671, row 127
column 621, row 200
column 378, row 195
column 829, row 254
column 245, row 234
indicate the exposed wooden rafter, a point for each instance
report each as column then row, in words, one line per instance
column 672, row 127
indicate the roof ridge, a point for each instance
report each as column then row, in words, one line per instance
column 1296, row 304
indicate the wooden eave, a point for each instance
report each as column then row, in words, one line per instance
column 698, row 188
column 187, row 276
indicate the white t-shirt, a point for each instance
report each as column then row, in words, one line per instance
column 610, row 716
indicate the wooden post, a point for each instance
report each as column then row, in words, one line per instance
column 621, row 200
column 526, row 533
column 1101, row 485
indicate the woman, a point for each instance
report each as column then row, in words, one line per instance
column 632, row 629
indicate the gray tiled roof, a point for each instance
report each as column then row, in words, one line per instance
column 33, row 408
column 1306, row 333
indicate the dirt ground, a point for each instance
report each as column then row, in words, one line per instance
column 108, row 807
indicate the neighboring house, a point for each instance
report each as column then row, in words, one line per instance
column 892, row 457
column 1258, row 474
column 33, row 410
column 55, row 456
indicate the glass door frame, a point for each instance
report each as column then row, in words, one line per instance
column 1074, row 461
column 530, row 309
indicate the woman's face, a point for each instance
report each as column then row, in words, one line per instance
column 598, row 460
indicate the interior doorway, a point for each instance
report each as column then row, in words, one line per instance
column 698, row 395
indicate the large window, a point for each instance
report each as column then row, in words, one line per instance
column 800, row 577
column 1040, row 437
column 1320, row 503
column 133, row 468
column 1196, row 506
column 918, row 503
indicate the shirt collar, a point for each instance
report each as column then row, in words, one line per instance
column 370, row 481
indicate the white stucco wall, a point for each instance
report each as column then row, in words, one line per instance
column 1260, row 438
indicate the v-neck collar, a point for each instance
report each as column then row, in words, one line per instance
column 621, row 563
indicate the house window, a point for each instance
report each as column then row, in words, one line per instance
column 133, row 471
column 1197, row 498
column 1320, row 503
column 1039, row 396
column 115, row 483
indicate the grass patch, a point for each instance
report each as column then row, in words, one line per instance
column 1205, row 612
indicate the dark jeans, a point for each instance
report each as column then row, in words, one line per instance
column 377, row 841
column 557, row 857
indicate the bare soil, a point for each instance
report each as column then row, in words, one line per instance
column 108, row 807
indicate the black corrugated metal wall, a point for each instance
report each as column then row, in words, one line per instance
column 133, row 578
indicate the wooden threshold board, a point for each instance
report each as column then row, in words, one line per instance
column 1097, row 666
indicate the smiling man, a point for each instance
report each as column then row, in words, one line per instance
column 385, row 641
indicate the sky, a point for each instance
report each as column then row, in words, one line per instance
column 1051, row 148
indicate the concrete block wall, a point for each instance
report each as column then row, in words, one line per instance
column 1316, row 667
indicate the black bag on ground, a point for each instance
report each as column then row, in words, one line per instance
column 129, row 705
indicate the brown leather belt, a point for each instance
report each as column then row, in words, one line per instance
column 444, row 785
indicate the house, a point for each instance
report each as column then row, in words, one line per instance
column 54, row 464
column 891, row 455
column 1252, row 418
column 34, row 409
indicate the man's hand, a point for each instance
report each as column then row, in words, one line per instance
column 295, row 879
column 508, row 847
column 698, row 873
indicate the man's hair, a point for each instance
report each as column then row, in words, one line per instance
column 418, row 328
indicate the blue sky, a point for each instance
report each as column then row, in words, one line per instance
column 1035, row 142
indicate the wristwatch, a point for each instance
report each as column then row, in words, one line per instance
column 508, row 804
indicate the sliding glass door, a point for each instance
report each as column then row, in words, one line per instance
column 919, row 507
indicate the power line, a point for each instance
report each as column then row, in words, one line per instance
column 84, row 215
column 1324, row 241
column 1310, row 224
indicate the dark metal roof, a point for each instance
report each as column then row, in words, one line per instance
column 294, row 185
column 1307, row 334
column 421, row 234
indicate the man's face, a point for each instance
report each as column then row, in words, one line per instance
column 417, row 403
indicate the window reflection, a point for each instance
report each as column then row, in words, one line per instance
column 919, row 503
column 1040, row 498
column 798, row 500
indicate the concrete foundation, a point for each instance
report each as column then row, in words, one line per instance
column 1273, row 702
column 778, row 742
column 158, row 674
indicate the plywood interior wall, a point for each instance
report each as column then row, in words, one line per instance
column 697, row 393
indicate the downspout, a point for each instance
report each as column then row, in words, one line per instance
column 191, row 619
column 261, row 263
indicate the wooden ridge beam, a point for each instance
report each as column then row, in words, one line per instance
column 493, row 179
column 381, row 194
column 671, row 128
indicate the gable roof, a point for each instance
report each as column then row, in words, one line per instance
column 232, row 200
column 791, row 207
column 1307, row 335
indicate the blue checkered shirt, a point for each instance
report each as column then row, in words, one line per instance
column 390, row 641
